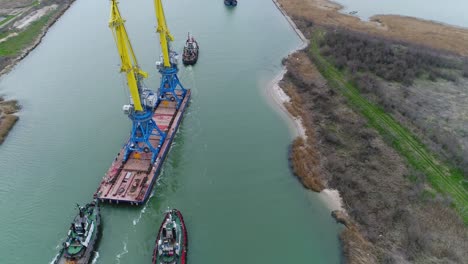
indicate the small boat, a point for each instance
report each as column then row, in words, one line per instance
column 82, row 236
column 172, row 241
column 230, row 2
column 190, row 55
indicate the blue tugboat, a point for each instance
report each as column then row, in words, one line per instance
column 230, row 2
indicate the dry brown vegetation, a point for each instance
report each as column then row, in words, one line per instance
column 422, row 88
column 6, row 123
column 391, row 61
column 394, row 216
column 355, row 246
column 304, row 157
column 7, row 119
column 8, row 107
column 306, row 164
column 407, row 29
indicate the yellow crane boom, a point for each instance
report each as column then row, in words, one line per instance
column 164, row 35
column 127, row 56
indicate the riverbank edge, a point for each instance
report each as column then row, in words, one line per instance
column 330, row 197
column 416, row 31
column 352, row 238
column 9, row 120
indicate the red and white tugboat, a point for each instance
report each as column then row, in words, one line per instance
column 172, row 241
column 191, row 50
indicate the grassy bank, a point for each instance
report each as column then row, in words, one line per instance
column 443, row 178
column 15, row 45
column 8, row 18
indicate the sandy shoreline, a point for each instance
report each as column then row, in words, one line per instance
column 278, row 96
column 341, row 150
column 304, row 40
column 330, row 197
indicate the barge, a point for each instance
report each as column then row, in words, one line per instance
column 132, row 181
column 155, row 116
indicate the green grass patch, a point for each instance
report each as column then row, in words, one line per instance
column 16, row 44
column 428, row 195
column 4, row 34
column 413, row 178
column 7, row 19
column 442, row 177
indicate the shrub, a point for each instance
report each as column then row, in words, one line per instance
column 465, row 68
column 358, row 52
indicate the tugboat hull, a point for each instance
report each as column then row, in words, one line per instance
column 230, row 2
column 178, row 218
column 190, row 62
column 85, row 257
column 191, row 51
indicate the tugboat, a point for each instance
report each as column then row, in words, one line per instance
column 172, row 241
column 230, row 2
column 190, row 55
column 82, row 236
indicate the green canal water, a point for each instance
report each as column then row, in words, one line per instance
column 227, row 170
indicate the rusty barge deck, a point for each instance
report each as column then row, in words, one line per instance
column 131, row 182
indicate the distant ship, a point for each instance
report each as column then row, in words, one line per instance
column 230, row 2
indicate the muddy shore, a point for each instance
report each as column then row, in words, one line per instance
column 9, row 107
column 385, row 217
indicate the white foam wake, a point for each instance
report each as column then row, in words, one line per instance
column 119, row 256
column 96, row 256
column 142, row 212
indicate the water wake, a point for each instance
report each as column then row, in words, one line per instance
column 142, row 212
column 125, row 251
column 55, row 258
column 96, row 256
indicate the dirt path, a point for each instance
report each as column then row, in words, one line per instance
column 26, row 21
